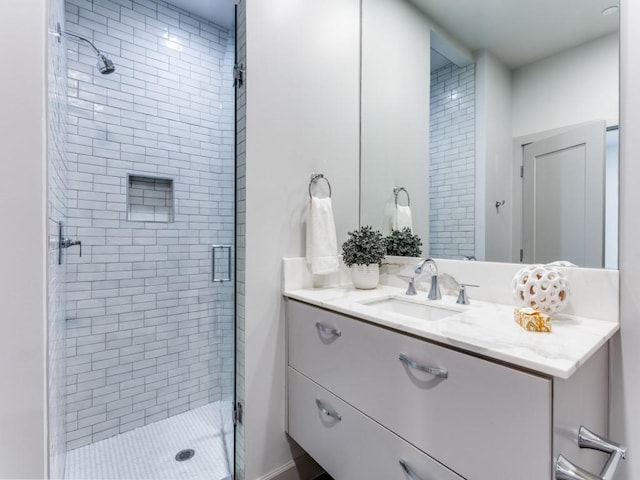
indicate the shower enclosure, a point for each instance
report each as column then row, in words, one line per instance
column 147, row 244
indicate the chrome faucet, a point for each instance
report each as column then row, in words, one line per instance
column 434, row 291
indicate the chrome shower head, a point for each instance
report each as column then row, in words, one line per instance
column 105, row 66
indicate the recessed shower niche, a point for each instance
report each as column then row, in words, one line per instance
column 149, row 199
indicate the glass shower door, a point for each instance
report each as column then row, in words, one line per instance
column 151, row 185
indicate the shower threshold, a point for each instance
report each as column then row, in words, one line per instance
column 149, row 452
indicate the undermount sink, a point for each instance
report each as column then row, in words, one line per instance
column 411, row 308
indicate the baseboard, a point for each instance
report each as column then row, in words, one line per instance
column 300, row 468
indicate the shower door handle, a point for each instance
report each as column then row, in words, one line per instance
column 214, row 250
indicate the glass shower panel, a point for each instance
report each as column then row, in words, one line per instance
column 150, row 337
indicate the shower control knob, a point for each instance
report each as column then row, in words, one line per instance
column 67, row 242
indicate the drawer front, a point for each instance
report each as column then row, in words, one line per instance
column 483, row 420
column 352, row 447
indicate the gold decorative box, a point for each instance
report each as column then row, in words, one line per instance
column 532, row 320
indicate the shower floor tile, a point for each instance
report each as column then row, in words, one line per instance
column 149, row 452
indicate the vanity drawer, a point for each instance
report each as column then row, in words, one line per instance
column 482, row 421
column 353, row 447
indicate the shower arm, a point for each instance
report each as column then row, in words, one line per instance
column 62, row 33
column 79, row 38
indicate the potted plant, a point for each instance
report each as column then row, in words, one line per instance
column 363, row 253
column 403, row 243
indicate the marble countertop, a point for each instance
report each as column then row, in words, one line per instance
column 483, row 328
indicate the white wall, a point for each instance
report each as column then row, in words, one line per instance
column 625, row 365
column 23, row 449
column 395, row 111
column 572, row 87
column 493, row 159
column 302, row 117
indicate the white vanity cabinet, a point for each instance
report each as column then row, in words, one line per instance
column 362, row 398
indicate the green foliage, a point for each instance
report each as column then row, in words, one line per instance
column 364, row 246
column 402, row 243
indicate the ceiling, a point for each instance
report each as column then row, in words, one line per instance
column 519, row 32
column 220, row 12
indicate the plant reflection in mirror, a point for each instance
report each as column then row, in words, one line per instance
column 403, row 243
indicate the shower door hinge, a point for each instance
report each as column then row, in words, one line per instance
column 237, row 414
column 521, row 171
column 238, row 75
column 521, row 254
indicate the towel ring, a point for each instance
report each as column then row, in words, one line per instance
column 314, row 179
column 396, row 192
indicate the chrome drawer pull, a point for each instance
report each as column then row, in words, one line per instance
column 328, row 330
column 408, row 471
column 588, row 439
column 565, row 470
column 328, row 413
column 438, row 372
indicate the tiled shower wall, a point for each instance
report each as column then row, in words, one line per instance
column 56, row 212
column 452, row 162
column 148, row 333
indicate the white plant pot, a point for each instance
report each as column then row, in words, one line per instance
column 365, row 277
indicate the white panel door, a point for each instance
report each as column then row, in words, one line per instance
column 563, row 197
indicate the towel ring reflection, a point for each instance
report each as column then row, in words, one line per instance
column 396, row 192
column 314, row 179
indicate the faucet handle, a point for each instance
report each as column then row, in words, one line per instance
column 462, row 295
column 411, row 289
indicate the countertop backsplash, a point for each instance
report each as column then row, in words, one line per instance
column 593, row 292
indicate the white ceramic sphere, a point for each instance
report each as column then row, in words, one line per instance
column 540, row 287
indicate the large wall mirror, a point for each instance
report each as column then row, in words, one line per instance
column 490, row 127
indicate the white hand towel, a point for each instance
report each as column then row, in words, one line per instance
column 322, row 247
column 402, row 218
column 388, row 219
